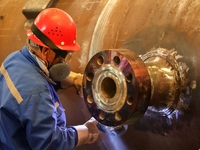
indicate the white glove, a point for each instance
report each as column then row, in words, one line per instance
column 74, row 79
column 78, row 79
column 88, row 132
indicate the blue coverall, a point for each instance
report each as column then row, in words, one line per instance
column 31, row 114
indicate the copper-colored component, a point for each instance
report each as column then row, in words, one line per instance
column 116, row 86
column 167, row 80
column 119, row 85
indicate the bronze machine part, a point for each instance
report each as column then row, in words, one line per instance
column 119, row 86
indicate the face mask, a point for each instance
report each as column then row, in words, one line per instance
column 60, row 71
column 57, row 72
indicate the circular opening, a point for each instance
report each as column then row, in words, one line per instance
column 108, row 88
column 118, row 117
column 102, row 116
column 89, row 99
column 129, row 77
column 130, row 100
column 100, row 60
column 116, row 60
column 89, row 76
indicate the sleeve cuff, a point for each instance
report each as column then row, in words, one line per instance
column 83, row 134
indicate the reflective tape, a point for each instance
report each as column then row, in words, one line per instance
column 11, row 85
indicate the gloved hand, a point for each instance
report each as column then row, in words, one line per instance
column 78, row 79
column 88, row 132
column 74, row 79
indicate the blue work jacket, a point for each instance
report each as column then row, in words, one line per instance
column 31, row 114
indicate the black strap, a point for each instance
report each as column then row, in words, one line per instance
column 43, row 38
column 47, row 41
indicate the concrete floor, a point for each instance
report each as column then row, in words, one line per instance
column 138, row 25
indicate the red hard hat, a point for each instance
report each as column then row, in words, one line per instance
column 54, row 26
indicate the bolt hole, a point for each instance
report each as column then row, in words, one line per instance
column 102, row 116
column 116, row 60
column 89, row 99
column 89, row 76
column 129, row 100
column 100, row 60
column 129, row 77
column 118, row 117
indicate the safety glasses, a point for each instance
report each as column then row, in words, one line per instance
column 65, row 59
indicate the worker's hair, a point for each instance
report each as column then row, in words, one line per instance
column 33, row 45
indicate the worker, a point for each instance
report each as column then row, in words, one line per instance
column 31, row 114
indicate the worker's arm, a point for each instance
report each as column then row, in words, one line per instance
column 45, row 124
column 73, row 80
column 45, row 121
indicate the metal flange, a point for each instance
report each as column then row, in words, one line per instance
column 116, row 87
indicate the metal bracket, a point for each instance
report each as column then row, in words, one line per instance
column 33, row 7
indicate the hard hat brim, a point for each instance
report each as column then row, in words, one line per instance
column 33, row 38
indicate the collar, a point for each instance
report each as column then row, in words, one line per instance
column 28, row 55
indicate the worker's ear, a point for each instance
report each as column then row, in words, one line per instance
column 45, row 52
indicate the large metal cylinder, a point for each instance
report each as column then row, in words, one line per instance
column 137, row 25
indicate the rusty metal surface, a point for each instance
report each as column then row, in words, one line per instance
column 138, row 25
column 12, row 32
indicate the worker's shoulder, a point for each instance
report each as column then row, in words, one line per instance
column 25, row 76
